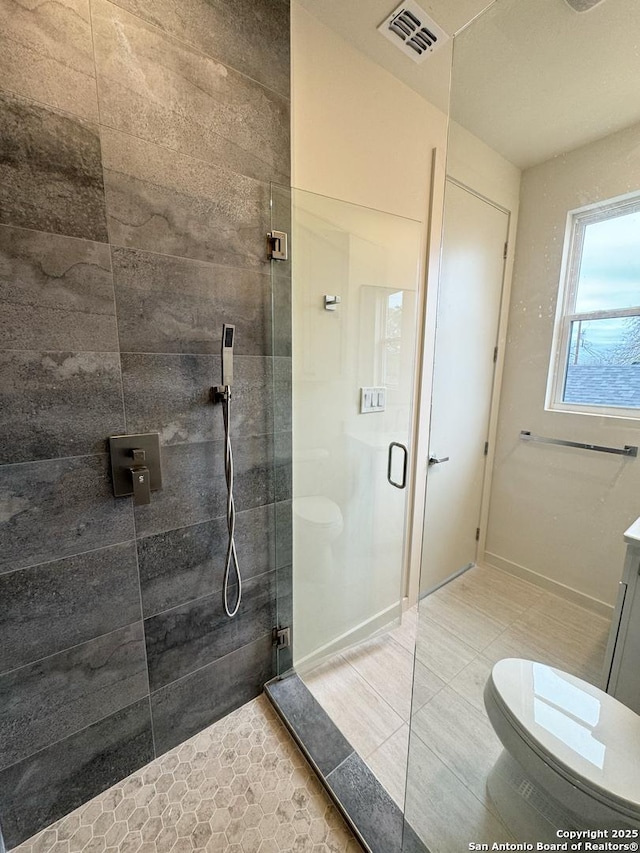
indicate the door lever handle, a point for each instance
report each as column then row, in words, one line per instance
column 434, row 461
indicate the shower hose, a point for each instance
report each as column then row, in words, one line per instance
column 232, row 557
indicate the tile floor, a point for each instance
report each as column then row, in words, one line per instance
column 240, row 786
column 458, row 634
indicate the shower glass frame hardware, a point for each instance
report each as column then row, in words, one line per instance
column 278, row 245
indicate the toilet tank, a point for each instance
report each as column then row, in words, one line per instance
column 310, row 471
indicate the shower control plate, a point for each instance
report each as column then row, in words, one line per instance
column 373, row 399
column 125, row 456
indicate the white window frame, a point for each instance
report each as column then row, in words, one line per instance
column 577, row 220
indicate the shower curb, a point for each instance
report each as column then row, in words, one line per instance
column 371, row 814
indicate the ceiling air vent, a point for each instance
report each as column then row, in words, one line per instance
column 413, row 31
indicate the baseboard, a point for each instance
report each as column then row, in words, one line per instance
column 557, row 588
column 362, row 631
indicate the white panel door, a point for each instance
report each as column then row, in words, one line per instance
column 469, row 301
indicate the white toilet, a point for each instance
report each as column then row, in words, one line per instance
column 317, row 523
column 318, row 520
column 571, row 757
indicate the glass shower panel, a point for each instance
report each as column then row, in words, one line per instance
column 282, row 417
column 354, row 329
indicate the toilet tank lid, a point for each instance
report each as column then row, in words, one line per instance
column 580, row 729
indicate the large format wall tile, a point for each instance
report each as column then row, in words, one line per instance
column 46, row 53
column 78, row 398
column 281, row 218
column 169, row 304
column 284, row 533
column 57, row 508
column 170, row 394
column 56, row 293
column 282, row 388
column 51, row 171
column 182, row 640
column 152, row 86
column 53, row 606
column 281, row 313
column 46, row 701
column 250, row 35
column 183, row 708
column 194, row 488
column 255, row 476
column 284, row 591
column 54, row 781
column 166, row 202
column 181, row 565
column 128, row 235
column 283, row 469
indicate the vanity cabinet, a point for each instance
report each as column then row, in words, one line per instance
column 622, row 660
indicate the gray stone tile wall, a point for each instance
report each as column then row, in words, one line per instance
column 137, row 149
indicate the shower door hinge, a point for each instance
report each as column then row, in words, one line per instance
column 281, row 637
column 486, row 448
column 278, row 245
column 506, row 249
column 477, row 534
column 495, row 354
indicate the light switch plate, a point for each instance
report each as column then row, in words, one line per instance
column 373, row 399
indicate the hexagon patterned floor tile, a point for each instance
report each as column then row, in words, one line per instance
column 240, row 786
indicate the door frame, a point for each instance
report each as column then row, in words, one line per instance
column 425, row 367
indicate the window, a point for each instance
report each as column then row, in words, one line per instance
column 595, row 367
column 392, row 340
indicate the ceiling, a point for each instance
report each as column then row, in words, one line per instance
column 532, row 78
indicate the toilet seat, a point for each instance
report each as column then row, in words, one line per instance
column 586, row 736
column 317, row 510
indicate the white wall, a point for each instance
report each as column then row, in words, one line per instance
column 559, row 513
column 474, row 164
column 358, row 133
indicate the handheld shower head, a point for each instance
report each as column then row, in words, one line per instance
column 228, row 334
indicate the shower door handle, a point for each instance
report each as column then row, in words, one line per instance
column 403, row 484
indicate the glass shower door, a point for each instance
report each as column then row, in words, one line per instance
column 353, row 310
